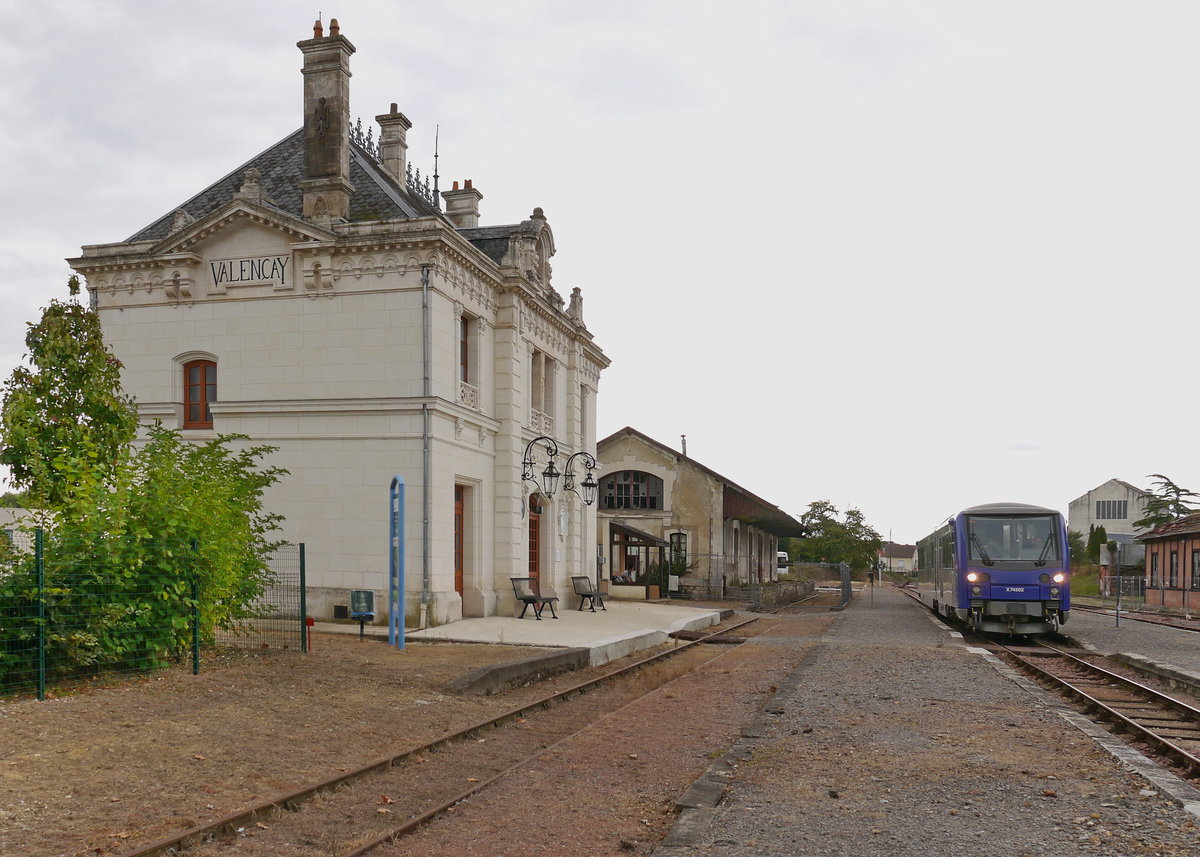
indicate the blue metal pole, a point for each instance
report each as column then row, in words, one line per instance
column 396, row 563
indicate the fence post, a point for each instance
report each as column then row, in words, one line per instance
column 303, row 605
column 195, row 611
column 40, row 564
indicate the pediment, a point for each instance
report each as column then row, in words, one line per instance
column 234, row 217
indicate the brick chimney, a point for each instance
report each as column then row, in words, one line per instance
column 462, row 206
column 393, row 143
column 326, row 183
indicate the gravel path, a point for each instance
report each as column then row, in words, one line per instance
column 892, row 738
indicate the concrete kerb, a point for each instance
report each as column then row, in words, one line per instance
column 496, row 678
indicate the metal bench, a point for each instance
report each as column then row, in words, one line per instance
column 587, row 592
column 526, row 591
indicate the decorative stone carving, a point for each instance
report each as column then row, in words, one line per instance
column 178, row 287
column 180, row 220
column 252, row 189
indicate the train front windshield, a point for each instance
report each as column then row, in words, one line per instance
column 1013, row 539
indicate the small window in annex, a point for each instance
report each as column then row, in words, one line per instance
column 199, row 391
column 632, row 489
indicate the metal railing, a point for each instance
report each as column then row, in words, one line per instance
column 76, row 611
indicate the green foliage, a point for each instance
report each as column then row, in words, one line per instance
column 833, row 539
column 67, row 403
column 1167, row 503
column 126, row 546
column 1076, row 546
column 120, row 522
column 14, row 500
column 1097, row 538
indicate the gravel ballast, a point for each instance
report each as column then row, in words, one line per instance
column 895, row 738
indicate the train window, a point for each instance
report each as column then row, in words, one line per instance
column 1012, row 539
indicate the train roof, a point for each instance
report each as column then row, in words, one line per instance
column 1009, row 509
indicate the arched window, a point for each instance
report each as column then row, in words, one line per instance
column 199, row 391
column 632, row 489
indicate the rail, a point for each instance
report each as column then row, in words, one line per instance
column 250, row 815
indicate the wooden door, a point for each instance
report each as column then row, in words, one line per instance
column 535, row 537
column 459, row 534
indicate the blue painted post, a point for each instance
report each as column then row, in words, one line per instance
column 396, row 563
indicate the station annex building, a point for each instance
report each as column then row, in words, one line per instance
column 317, row 299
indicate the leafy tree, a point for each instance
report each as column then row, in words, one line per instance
column 1076, row 545
column 14, row 500
column 833, row 539
column 67, row 403
column 1167, row 503
column 119, row 556
column 1097, row 538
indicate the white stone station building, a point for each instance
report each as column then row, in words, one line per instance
column 316, row 299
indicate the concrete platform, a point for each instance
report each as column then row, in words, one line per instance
column 625, row 627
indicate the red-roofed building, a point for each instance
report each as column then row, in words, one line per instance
column 1173, row 564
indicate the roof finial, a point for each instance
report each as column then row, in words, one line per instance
column 437, row 197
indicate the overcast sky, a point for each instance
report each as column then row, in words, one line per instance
column 907, row 257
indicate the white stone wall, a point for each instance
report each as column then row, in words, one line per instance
column 328, row 368
column 1081, row 513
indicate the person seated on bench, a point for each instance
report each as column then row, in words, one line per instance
column 586, row 592
column 526, row 591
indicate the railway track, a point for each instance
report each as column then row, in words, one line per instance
column 1170, row 727
column 357, row 810
column 1137, row 616
column 1167, row 726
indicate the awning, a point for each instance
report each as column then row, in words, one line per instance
column 636, row 536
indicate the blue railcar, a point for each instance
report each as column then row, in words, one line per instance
column 1001, row 567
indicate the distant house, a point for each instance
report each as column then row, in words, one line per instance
column 656, row 505
column 10, row 523
column 898, row 559
column 1115, row 505
column 1172, row 564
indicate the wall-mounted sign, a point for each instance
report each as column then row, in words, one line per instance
column 254, row 271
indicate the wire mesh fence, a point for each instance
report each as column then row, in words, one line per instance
column 276, row 618
column 76, row 609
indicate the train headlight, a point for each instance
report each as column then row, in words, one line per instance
column 1060, row 577
column 1053, row 591
column 976, row 589
column 972, row 577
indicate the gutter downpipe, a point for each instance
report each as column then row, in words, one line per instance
column 427, row 464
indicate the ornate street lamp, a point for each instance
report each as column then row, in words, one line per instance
column 587, row 488
column 550, row 476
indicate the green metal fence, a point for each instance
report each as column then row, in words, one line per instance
column 75, row 610
column 276, row 619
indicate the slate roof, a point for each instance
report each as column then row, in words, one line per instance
column 491, row 240
column 891, row 550
column 766, row 515
column 1187, row 524
column 377, row 196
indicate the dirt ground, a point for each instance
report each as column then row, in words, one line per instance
column 82, row 773
column 102, row 770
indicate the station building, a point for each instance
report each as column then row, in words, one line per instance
column 318, row 299
column 660, row 509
